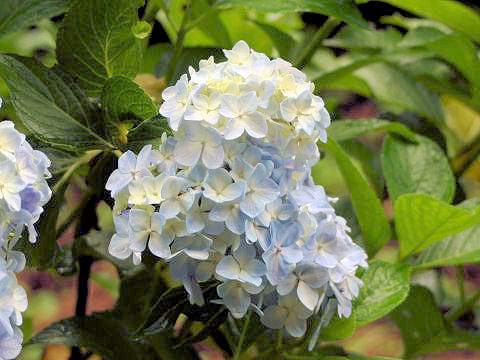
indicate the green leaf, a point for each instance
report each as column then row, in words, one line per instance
column 125, row 104
column 147, row 132
column 394, row 87
column 50, row 104
column 461, row 248
column 211, row 325
column 421, row 220
column 354, row 38
column 343, row 9
column 43, row 254
column 101, row 333
column 338, row 328
column 451, row 13
column 424, row 329
column 20, row 14
column 283, row 42
column 385, row 286
column 417, row 168
column 342, row 130
column 368, row 208
column 173, row 302
column 97, row 41
column 461, row 52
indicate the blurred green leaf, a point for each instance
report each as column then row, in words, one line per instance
column 461, row 248
column 125, row 104
column 417, row 168
column 385, row 286
column 50, row 104
column 451, row 13
column 394, row 87
column 20, row 14
column 370, row 162
column 101, row 333
column 368, row 208
column 96, row 41
column 283, row 42
column 189, row 57
column 142, row 29
column 106, row 281
column 351, row 37
column 347, row 129
column 424, row 329
column 421, row 220
column 342, row 9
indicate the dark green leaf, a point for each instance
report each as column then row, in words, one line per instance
column 385, row 286
column 125, row 104
column 421, row 220
column 97, row 41
column 20, row 14
column 213, row 323
column 149, row 131
column 417, row 168
column 173, row 302
column 101, row 333
column 342, row 130
column 283, row 42
column 189, row 57
column 461, row 248
column 49, row 104
column 342, row 9
column 369, row 211
column 424, row 329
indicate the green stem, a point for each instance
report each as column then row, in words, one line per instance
column 461, row 283
column 89, row 155
column 178, row 45
column 321, row 34
column 278, row 346
column 239, row 347
column 469, row 304
column 75, row 213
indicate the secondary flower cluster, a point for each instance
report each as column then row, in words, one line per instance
column 23, row 192
column 230, row 196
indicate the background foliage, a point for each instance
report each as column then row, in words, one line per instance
column 84, row 78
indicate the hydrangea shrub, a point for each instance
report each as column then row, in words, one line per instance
column 246, row 216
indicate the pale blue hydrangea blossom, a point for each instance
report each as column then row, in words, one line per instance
column 234, row 194
column 23, row 193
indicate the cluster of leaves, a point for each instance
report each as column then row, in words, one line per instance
column 423, row 72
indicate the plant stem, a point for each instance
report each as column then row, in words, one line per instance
column 454, row 314
column 278, row 345
column 75, row 213
column 238, row 349
column 85, row 264
column 321, row 34
column 461, row 283
column 178, row 45
column 89, row 155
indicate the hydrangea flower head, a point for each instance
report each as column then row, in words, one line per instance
column 230, row 196
column 23, row 192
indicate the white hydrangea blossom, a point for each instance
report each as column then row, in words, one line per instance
column 231, row 196
column 23, row 192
